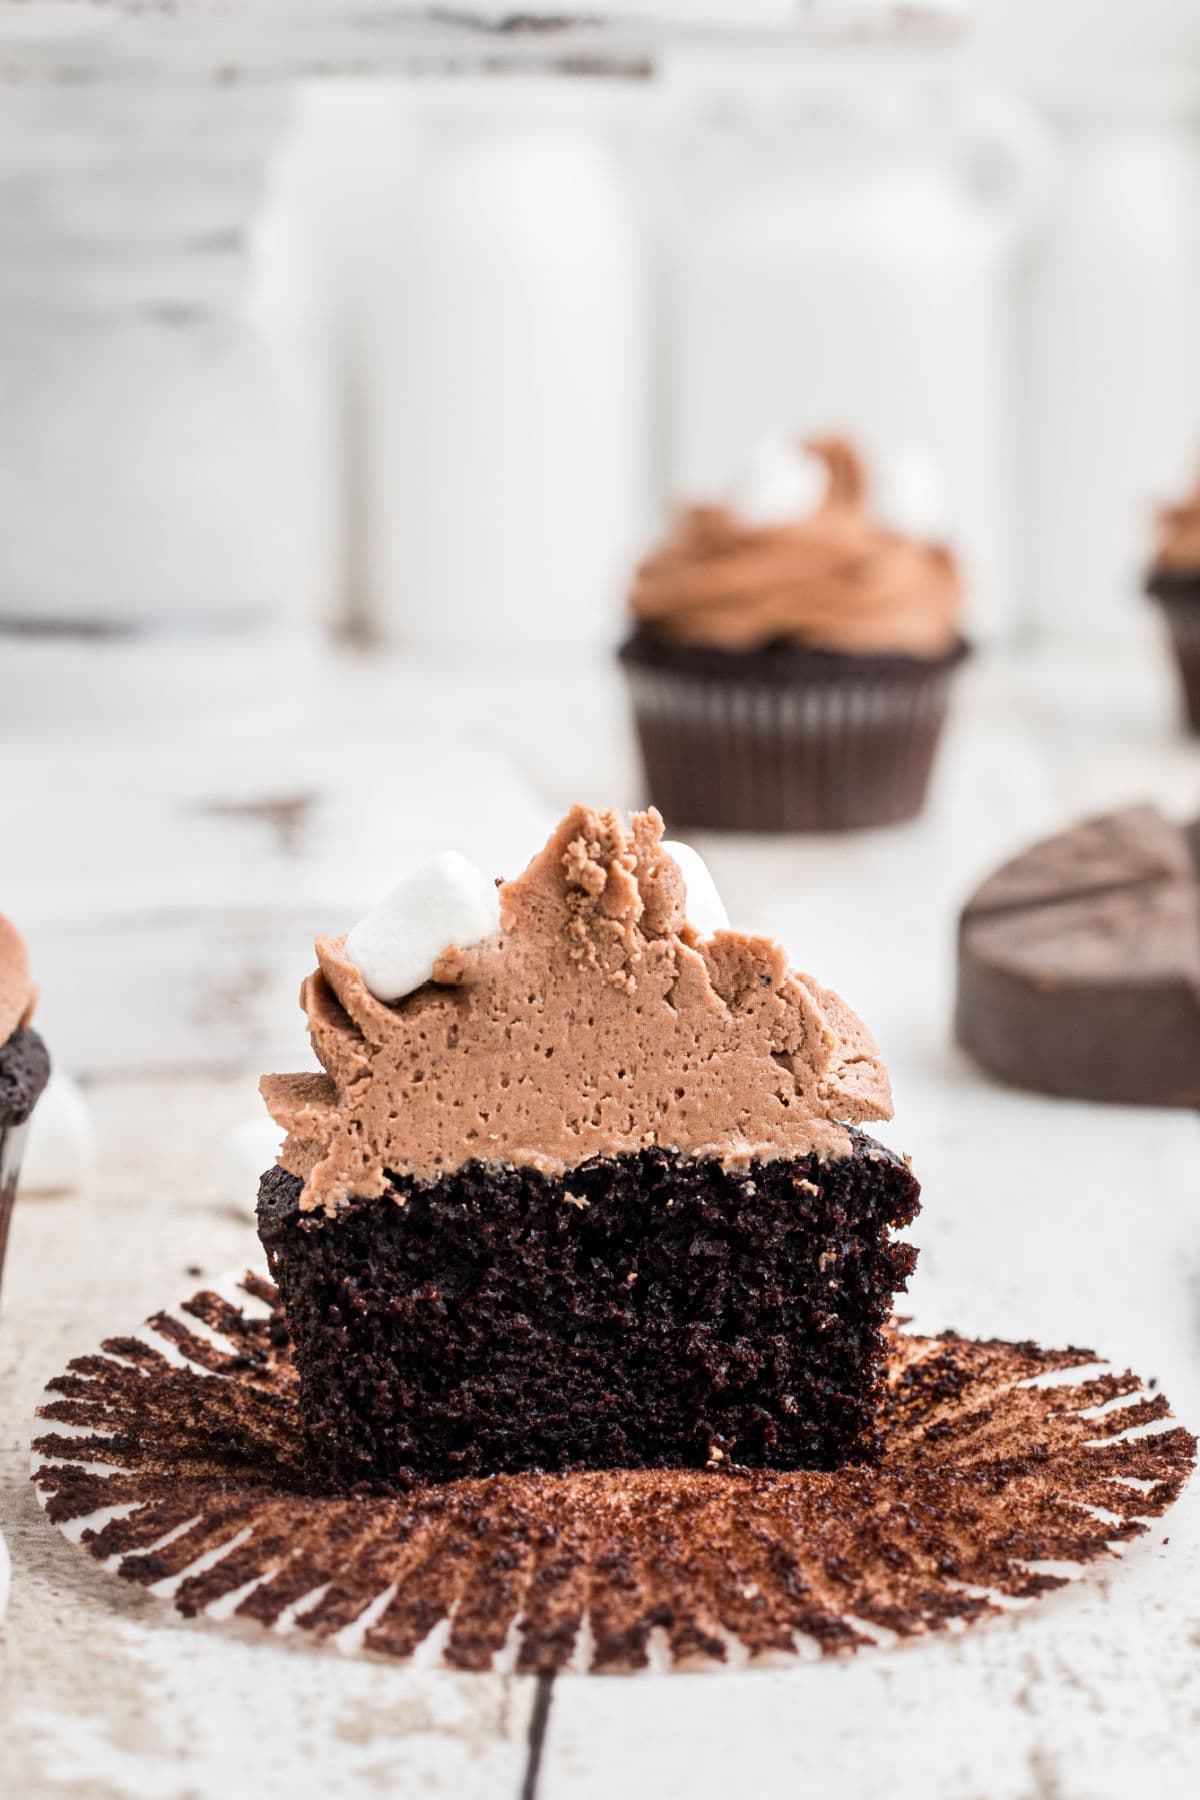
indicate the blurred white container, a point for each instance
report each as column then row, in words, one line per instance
column 144, row 491
column 1114, row 347
column 845, row 262
column 507, row 417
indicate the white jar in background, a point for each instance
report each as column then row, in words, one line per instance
column 845, row 262
column 1114, row 365
column 145, row 503
column 507, row 406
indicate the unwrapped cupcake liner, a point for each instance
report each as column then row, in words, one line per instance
column 1183, row 621
column 175, row 1456
column 846, row 748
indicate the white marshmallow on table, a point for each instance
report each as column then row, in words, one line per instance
column 60, row 1151
column 446, row 901
column 703, row 904
column 779, row 483
column 248, row 1152
column 910, row 495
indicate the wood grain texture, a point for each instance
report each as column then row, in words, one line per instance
column 96, row 1699
column 115, row 40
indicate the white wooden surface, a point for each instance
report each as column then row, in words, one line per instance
column 1042, row 1219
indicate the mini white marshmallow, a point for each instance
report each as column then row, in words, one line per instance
column 249, row 1150
column 780, row 482
column 60, row 1151
column 446, row 901
column 910, row 495
column 704, row 905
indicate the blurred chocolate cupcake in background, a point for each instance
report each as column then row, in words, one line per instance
column 791, row 652
column 1174, row 581
column 24, row 1066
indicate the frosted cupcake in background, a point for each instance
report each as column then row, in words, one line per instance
column 792, row 651
column 1174, row 581
column 24, row 1066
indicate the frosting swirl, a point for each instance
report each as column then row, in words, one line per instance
column 1178, row 547
column 834, row 580
column 597, row 1022
column 17, row 992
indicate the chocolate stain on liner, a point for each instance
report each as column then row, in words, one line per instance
column 989, row 1470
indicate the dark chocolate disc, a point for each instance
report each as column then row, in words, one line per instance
column 1079, row 964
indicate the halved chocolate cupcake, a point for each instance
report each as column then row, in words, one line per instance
column 1174, row 581
column 587, row 1192
column 24, row 1066
column 791, row 654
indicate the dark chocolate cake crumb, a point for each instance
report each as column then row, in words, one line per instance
column 24, row 1071
column 648, row 1311
column 981, row 1475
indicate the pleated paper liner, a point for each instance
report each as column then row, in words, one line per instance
column 175, row 1457
column 800, row 741
column 12, row 1143
column 1182, row 614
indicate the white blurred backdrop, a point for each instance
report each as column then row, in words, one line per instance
column 532, row 314
column 426, row 361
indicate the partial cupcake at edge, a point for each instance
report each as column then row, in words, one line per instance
column 1173, row 580
column 791, row 653
column 582, row 1184
column 24, row 1066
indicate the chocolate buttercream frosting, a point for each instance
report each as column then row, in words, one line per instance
column 17, row 992
column 597, row 1022
column 1178, row 547
column 835, row 580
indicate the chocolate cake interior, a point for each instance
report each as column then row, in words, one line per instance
column 646, row 1310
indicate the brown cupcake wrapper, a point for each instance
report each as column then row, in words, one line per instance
column 842, row 750
column 1183, row 621
column 12, row 1144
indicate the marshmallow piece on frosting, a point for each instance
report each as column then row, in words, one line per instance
column 779, row 483
column 704, row 905
column 911, row 495
column 447, row 901
column 60, row 1151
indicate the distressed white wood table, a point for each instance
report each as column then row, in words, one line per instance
column 170, row 890
column 119, row 41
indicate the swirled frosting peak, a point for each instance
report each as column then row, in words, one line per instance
column 597, row 1021
column 835, row 578
column 1178, row 547
column 17, row 992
